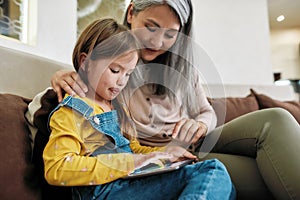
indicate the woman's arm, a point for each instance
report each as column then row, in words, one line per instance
column 70, row 82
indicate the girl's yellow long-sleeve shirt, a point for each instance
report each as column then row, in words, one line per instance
column 67, row 157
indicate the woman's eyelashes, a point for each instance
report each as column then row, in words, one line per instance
column 151, row 28
column 167, row 35
column 171, row 33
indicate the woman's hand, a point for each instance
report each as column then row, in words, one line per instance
column 179, row 153
column 189, row 131
column 141, row 160
column 70, row 82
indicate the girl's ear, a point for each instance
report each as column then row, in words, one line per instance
column 130, row 13
column 82, row 58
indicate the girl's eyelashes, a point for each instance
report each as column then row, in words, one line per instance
column 115, row 71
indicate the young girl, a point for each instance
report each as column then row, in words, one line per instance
column 87, row 149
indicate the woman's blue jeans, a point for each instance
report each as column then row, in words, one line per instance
column 205, row 180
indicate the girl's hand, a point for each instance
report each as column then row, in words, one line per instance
column 70, row 82
column 141, row 160
column 189, row 131
column 179, row 153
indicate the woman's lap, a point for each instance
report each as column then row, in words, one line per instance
column 272, row 138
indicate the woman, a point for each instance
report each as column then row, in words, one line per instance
column 156, row 107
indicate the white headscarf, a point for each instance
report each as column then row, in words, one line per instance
column 181, row 7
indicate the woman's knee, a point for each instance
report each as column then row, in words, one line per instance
column 277, row 114
column 269, row 115
column 278, row 119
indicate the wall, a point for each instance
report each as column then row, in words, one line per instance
column 285, row 46
column 235, row 34
column 56, row 31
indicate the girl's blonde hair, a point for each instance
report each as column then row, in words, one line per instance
column 105, row 38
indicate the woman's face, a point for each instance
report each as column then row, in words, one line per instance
column 156, row 28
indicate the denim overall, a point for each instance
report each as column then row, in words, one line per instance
column 204, row 180
column 106, row 123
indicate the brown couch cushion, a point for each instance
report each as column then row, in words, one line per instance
column 265, row 101
column 16, row 170
column 232, row 107
column 46, row 104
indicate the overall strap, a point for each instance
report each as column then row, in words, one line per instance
column 106, row 123
column 76, row 104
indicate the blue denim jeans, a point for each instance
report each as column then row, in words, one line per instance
column 204, row 180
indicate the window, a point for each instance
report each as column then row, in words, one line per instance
column 90, row 10
column 18, row 19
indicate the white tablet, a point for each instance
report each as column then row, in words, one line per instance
column 153, row 168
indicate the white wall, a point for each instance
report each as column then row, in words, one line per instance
column 285, row 45
column 56, row 31
column 235, row 34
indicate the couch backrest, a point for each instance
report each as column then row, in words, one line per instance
column 25, row 74
column 279, row 92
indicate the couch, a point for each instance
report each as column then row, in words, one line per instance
column 24, row 75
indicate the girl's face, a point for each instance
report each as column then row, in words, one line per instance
column 156, row 28
column 107, row 77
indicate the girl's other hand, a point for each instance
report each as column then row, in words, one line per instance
column 189, row 131
column 179, row 153
column 141, row 160
column 70, row 82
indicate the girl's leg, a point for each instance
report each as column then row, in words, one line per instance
column 272, row 137
column 203, row 180
column 211, row 181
